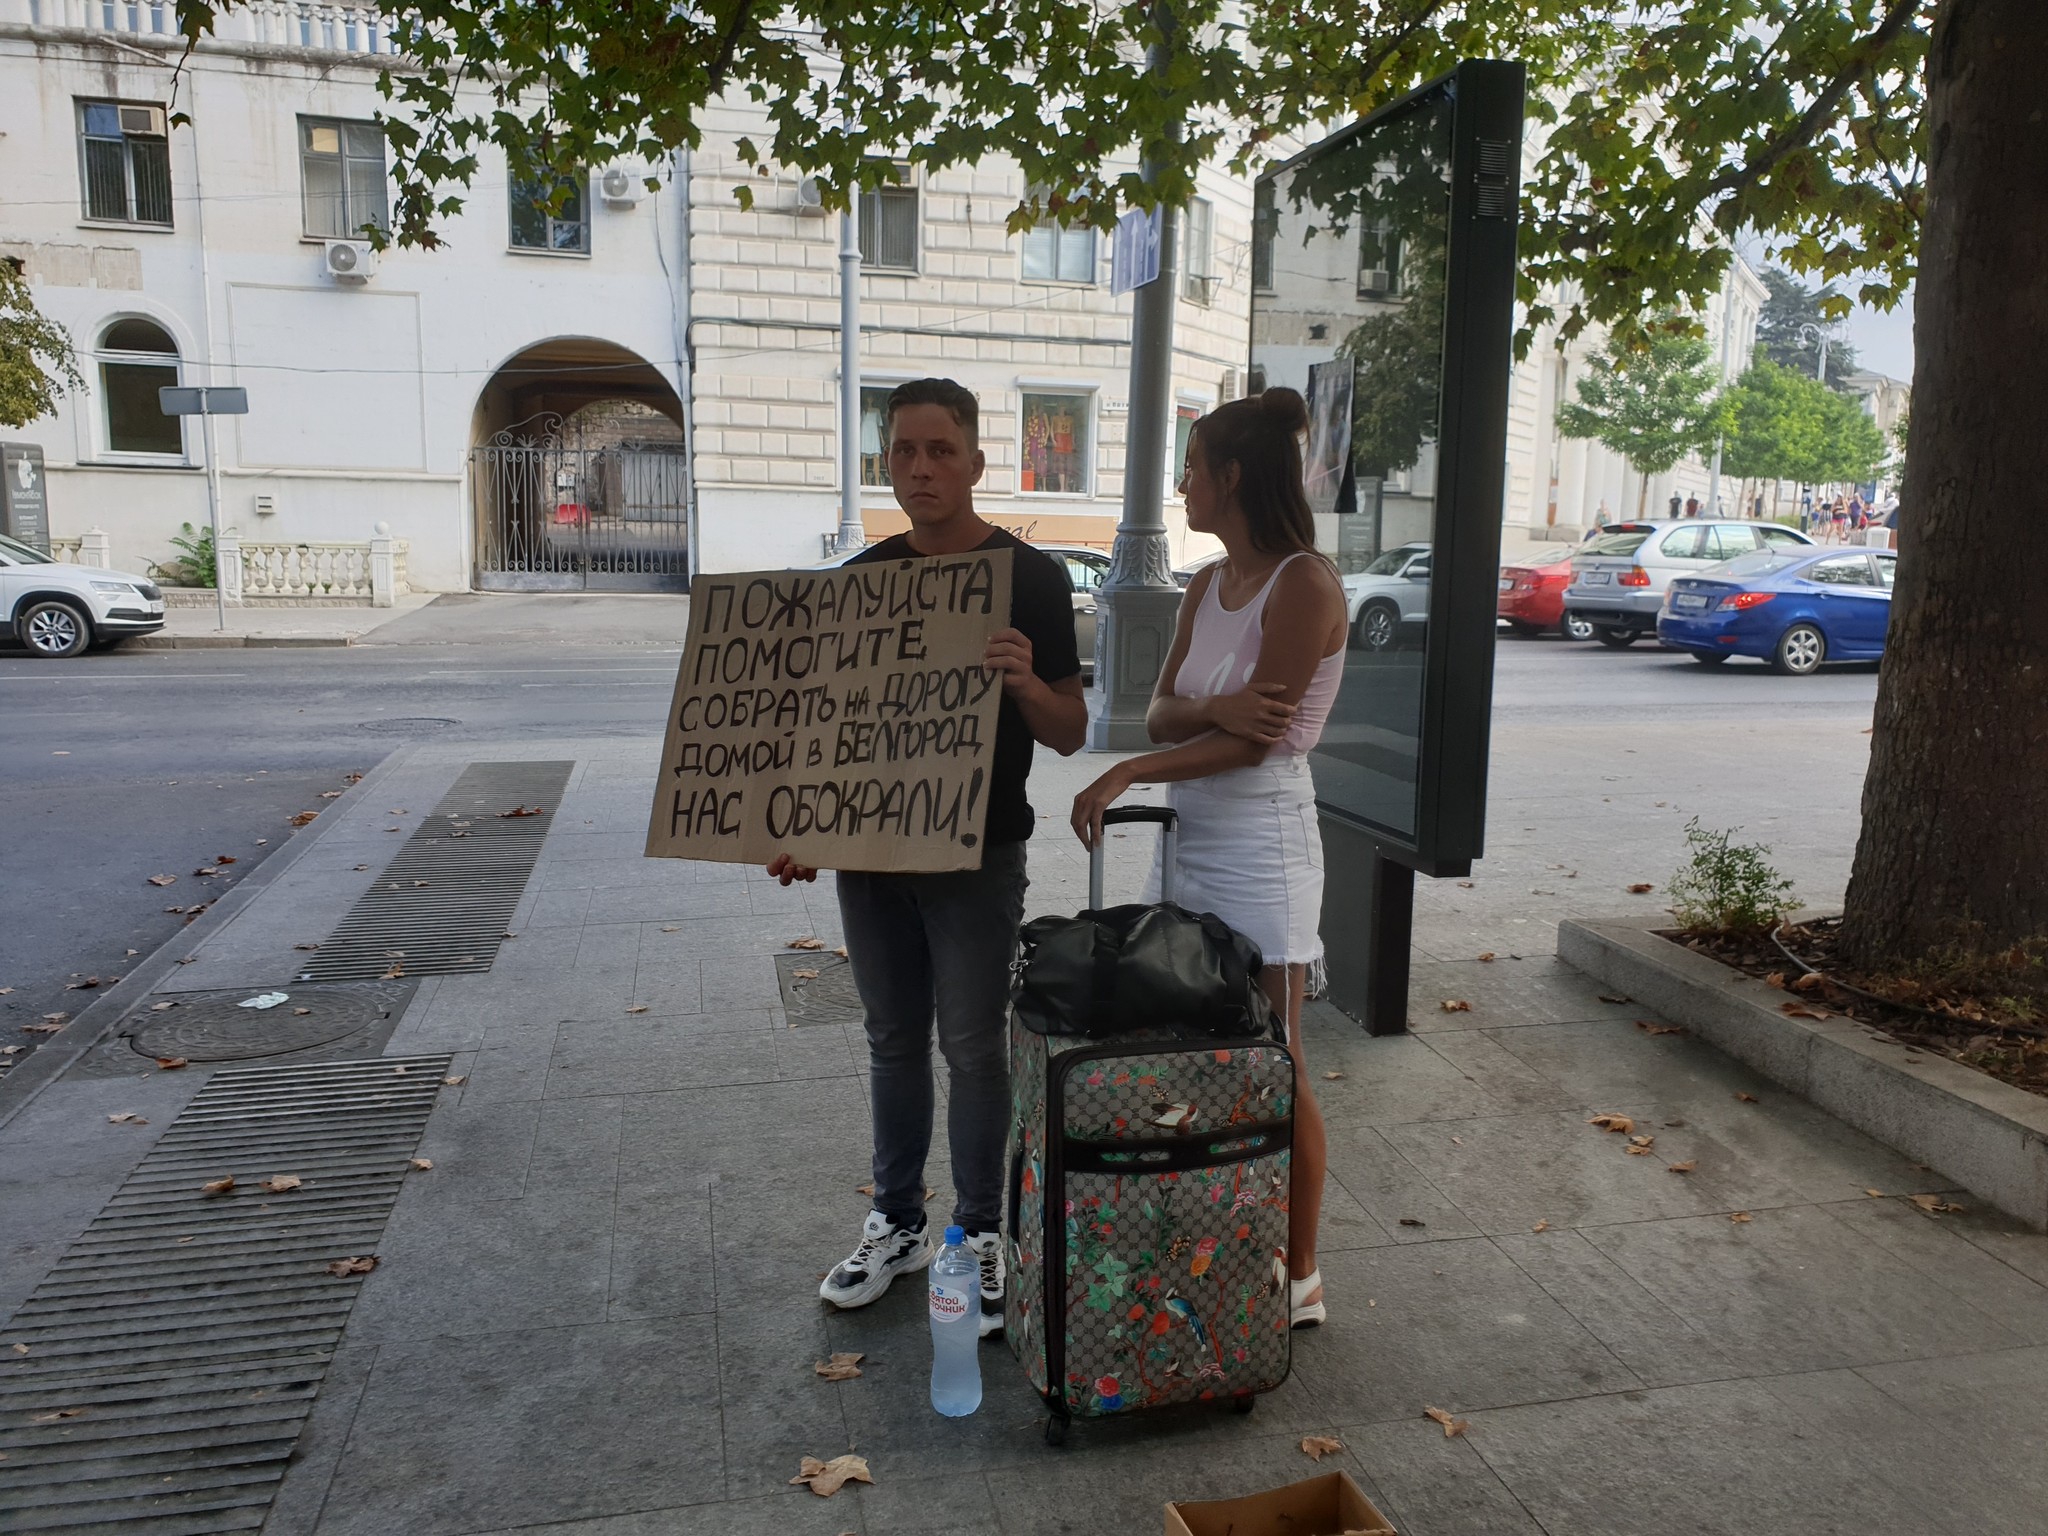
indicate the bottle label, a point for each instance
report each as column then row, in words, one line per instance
column 948, row 1306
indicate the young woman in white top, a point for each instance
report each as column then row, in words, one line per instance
column 1244, row 693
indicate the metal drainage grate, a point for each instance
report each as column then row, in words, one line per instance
column 345, row 1021
column 158, row 1378
column 828, row 997
column 440, row 907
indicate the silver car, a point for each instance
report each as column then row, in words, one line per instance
column 1619, row 577
column 1388, row 601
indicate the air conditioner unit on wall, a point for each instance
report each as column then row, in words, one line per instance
column 147, row 121
column 810, row 202
column 1233, row 385
column 622, row 185
column 349, row 261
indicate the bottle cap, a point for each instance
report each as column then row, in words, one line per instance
column 955, row 1236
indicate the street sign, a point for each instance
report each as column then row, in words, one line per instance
column 1134, row 250
column 203, row 400
column 24, row 506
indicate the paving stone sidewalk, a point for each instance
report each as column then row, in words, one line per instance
column 596, row 1315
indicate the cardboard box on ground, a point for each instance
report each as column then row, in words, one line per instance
column 1330, row 1505
column 842, row 716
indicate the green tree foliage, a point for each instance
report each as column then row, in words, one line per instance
column 1788, row 309
column 1782, row 425
column 1652, row 404
column 36, row 360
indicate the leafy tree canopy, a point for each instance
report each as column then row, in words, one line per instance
column 1781, row 333
column 1799, row 120
column 1782, row 425
column 1652, row 405
column 36, row 361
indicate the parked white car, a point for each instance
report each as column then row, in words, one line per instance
column 59, row 610
column 1388, row 601
column 1619, row 577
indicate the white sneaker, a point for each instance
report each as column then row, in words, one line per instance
column 886, row 1250
column 987, row 1247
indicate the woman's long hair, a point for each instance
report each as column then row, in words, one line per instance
column 1261, row 435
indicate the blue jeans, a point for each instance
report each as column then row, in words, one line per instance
column 937, row 946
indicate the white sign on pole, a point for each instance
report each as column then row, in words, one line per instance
column 1134, row 250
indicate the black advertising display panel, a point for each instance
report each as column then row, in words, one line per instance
column 1386, row 297
column 24, row 496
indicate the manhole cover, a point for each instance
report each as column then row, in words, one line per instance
column 212, row 1027
column 407, row 725
column 828, row 997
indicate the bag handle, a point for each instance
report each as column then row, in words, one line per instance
column 1118, row 815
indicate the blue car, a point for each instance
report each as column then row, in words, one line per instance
column 1795, row 608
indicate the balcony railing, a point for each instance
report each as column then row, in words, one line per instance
column 278, row 23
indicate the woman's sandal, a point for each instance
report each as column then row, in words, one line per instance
column 1302, row 1312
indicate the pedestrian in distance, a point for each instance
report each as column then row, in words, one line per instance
column 1674, row 504
column 1253, row 670
column 1692, row 506
column 926, row 947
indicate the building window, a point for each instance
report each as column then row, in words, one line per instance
column 874, row 434
column 341, row 167
column 549, row 214
column 1265, row 229
column 1184, row 418
column 1053, row 253
column 136, row 359
column 888, row 222
column 127, row 162
column 1056, row 445
column 1197, row 251
column 1379, row 261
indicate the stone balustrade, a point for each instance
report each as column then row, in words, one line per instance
column 92, row 548
column 370, row 573
column 276, row 23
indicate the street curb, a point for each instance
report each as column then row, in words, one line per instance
column 233, row 642
column 1988, row 1136
column 80, row 1034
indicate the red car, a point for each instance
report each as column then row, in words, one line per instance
column 1532, row 595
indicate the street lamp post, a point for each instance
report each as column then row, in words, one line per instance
column 851, row 535
column 1820, row 338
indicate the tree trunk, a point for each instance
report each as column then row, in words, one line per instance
column 1642, row 492
column 1954, row 851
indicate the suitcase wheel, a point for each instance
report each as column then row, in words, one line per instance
column 1056, row 1425
column 1243, row 1404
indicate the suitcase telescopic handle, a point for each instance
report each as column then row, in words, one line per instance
column 1167, row 820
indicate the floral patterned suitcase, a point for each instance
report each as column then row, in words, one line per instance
column 1147, row 1218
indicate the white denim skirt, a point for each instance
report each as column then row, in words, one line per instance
column 1250, row 850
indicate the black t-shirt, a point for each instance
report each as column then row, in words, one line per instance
column 1042, row 607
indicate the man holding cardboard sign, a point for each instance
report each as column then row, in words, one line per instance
column 940, row 944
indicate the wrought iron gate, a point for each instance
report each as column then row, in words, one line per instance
column 553, row 516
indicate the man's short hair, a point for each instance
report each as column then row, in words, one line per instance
column 958, row 401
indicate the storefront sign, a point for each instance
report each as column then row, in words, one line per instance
column 24, row 503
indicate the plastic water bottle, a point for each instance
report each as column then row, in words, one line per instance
column 955, row 1277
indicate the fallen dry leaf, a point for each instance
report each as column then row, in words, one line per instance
column 1739, row 1216
column 342, row 1268
column 1541, row 1226
column 1685, row 1167
column 206, row 869
column 330, row 794
column 1455, row 1005
column 863, row 1189
column 1451, row 1426
column 1332, row 1077
column 1316, row 1447
column 61, row 1413
column 1933, row 1205
column 218, row 1186
column 841, row 1367
column 1486, row 954
column 1875, row 1194
column 85, row 984
column 21, row 1349
column 304, row 818
column 1650, row 1028
column 1747, row 1098
column 301, row 1012
column 1637, row 1151
column 1640, row 888
column 638, row 1008
column 840, row 951
column 1620, row 1123
column 1775, row 979
column 454, row 1082
column 163, row 879
column 423, row 1163
column 1614, row 997
column 126, row 1119
column 397, row 970
column 805, row 944
column 281, row 1184
column 1464, row 885
column 41, row 1029
column 521, row 810
column 1642, row 1141
column 305, row 946
column 825, row 1478
column 803, row 975
column 160, row 1007
column 1411, row 1221
column 223, row 858
column 1800, row 1011
column 1811, row 981
column 351, row 778
column 171, row 1063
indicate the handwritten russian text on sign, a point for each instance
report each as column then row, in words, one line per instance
column 842, row 717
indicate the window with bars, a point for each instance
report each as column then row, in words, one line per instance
column 341, row 168
column 874, row 434
column 888, row 222
column 549, row 214
column 1379, row 261
column 126, row 160
column 1056, row 459
column 1054, row 253
column 1197, row 251
column 137, row 358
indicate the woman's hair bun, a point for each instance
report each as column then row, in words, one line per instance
column 1285, row 409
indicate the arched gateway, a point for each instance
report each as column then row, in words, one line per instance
column 579, row 475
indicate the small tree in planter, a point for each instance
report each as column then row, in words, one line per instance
column 1725, row 887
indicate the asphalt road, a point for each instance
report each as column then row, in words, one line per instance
column 119, row 766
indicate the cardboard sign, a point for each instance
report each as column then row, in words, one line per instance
column 842, row 717
column 1330, row 1505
